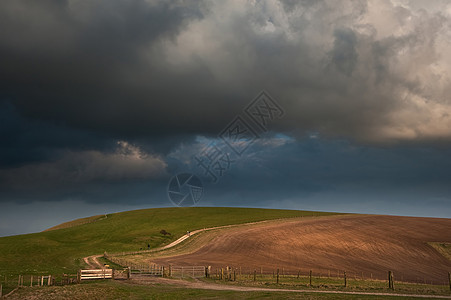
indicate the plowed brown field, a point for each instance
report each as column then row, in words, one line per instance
column 368, row 244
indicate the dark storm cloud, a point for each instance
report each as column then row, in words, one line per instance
column 97, row 96
column 84, row 62
column 156, row 68
column 27, row 141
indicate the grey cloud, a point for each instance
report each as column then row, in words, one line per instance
column 128, row 162
column 81, row 76
column 344, row 54
column 327, row 174
column 152, row 69
column 93, row 176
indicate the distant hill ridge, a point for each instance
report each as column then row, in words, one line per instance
column 77, row 222
column 61, row 249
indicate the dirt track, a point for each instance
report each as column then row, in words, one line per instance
column 369, row 244
column 93, row 262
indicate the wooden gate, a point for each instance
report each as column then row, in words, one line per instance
column 95, row 274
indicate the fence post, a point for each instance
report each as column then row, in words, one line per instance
column 112, row 274
column 346, row 283
column 277, row 276
column 1, row 290
column 31, row 281
column 310, row 278
column 393, row 281
column 255, row 274
column 42, row 280
column 389, row 280
column 299, row 273
column 449, row 280
column 170, row 270
column 79, row 276
column 234, row 275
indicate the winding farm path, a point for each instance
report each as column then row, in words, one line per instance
column 363, row 245
column 93, row 262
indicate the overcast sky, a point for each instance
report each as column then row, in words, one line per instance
column 103, row 102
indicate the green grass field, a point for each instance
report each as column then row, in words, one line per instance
column 443, row 248
column 61, row 250
column 122, row 290
column 332, row 284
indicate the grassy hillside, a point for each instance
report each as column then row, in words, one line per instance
column 62, row 250
column 443, row 248
column 77, row 222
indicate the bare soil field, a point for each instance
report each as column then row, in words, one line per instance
column 367, row 245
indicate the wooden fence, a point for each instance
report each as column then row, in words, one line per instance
column 229, row 272
column 10, row 283
column 274, row 275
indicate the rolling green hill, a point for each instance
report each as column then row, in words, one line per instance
column 62, row 250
